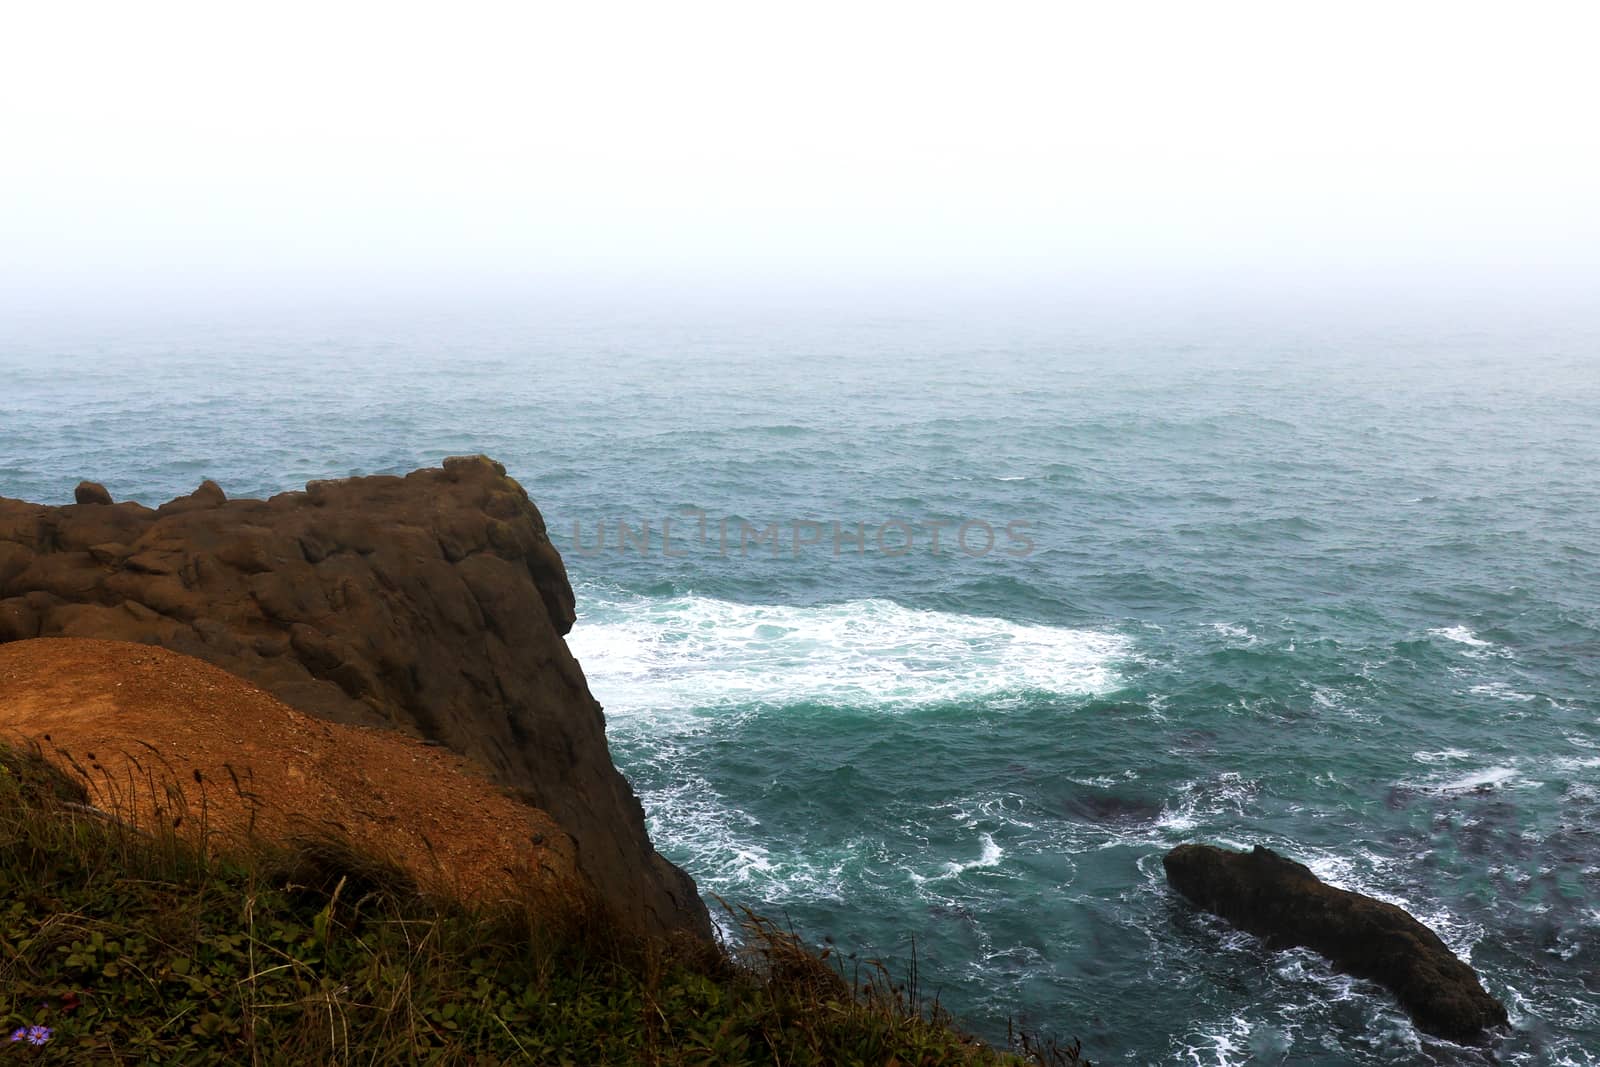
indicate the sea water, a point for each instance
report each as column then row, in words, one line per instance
column 1328, row 587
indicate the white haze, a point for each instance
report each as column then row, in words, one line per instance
column 446, row 147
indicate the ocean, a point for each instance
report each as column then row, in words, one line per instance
column 1332, row 587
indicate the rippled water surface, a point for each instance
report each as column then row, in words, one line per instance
column 1334, row 590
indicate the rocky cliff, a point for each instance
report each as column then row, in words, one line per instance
column 433, row 604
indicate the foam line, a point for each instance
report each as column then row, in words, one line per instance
column 655, row 656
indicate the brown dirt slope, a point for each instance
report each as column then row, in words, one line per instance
column 433, row 604
column 117, row 709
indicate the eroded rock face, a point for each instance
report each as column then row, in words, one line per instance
column 1281, row 900
column 433, row 604
column 232, row 761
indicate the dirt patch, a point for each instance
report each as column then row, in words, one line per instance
column 129, row 714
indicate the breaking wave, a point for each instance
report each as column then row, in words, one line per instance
column 656, row 656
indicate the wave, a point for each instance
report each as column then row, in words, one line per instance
column 658, row 655
column 1441, row 755
column 990, row 857
column 1487, row 778
column 1469, row 643
column 1501, row 691
column 1461, row 636
column 1231, row 630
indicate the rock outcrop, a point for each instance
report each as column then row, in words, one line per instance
column 433, row 604
column 1282, row 901
column 159, row 737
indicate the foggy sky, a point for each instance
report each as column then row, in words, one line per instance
column 452, row 143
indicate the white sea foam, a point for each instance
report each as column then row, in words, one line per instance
column 1324, row 697
column 722, row 845
column 1502, row 691
column 1461, row 636
column 658, row 656
column 1003, row 808
column 989, row 856
column 1442, row 755
column 1205, row 801
column 1451, row 781
column 1228, row 629
column 664, row 667
column 1361, row 870
column 1330, row 699
column 1177, row 822
column 1226, row 1044
column 1483, row 779
column 1099, row 781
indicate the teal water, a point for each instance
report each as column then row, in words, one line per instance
column 1331, row 589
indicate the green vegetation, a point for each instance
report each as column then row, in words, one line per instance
column 124, row 946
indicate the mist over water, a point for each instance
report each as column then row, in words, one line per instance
column 1328, row 585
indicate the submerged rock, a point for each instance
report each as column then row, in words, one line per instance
column 1111, row 809
column 432, row 604
column 1282, row 901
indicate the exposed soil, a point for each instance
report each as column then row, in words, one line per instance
column 136, row 722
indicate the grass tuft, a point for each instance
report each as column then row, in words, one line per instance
column 146, row 944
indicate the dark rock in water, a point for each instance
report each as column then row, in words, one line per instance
column 1196, row 741
column 91, row 493
column 1399, row 796
column 1111, row 809
column 1282, row 901
column 432, row 604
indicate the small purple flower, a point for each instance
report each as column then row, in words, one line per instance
column 19, row 1033
column 38, row 1035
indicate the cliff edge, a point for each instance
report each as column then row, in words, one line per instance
column 433, row 604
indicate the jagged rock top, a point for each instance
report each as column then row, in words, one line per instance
column 433, row 604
